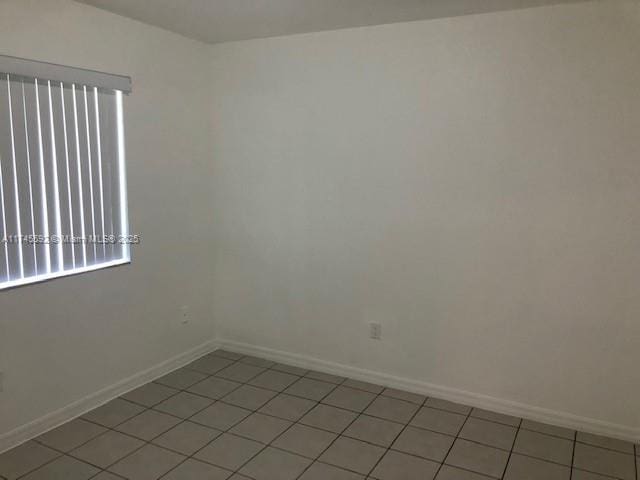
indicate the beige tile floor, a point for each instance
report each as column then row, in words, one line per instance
column 228, row 416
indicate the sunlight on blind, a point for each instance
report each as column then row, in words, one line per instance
column 63, row 199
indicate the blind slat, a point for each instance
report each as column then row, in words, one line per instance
column 30, row 118
column 4, row 260
column 81, row 174
column 11, row 194
column 123, row 226
column 55, row 219
column 74, row 178
column 65, row 206
column 23, row 170
column 85, row 173
column 48, row 186
column 109, row 147
column 92, row 174
column 98, row 192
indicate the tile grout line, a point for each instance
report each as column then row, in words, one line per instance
column 233, row 362
column 189, row 457
column 573, row 454
column 113, row 428
column 608, row 449
column 240, row 385
column 215, row 400
column 43, row 465
column 253, row 411
column 264, row 369
column 292, row 424
column 107, row 429
column 248, row 438
column 527, row 455
column 62, row 453
column 268, row 444
column 513, row 444
column 221, row 399
column 183, row 420
column 110, row 473
column 454, row 441
column 339, row 434
column 475, row 442
column 420, row 406
column 273, row 366
column 148, row 442
column 279, row 392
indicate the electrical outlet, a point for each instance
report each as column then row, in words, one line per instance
column 375, row 331
column 184, row 314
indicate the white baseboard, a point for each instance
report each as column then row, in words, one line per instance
column 80, row 407
column 507, row 407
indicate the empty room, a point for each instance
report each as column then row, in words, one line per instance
column 320, row 239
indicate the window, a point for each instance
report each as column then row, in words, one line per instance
column 63, row 196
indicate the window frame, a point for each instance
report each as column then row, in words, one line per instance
column 13, row 68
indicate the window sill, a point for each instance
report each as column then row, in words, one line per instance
column 67, row 273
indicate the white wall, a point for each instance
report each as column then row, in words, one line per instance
column 65, row 339
column 471, row 183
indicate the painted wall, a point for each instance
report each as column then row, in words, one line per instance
column 470, row 183
column 65, row 339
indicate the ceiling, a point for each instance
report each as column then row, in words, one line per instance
column 215, row 21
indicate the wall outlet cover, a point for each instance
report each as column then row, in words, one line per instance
column 375, row 331
column 184, row 314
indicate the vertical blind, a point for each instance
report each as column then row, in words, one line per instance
column 63, row 202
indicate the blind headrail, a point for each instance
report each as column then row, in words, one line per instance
column 60, row 73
